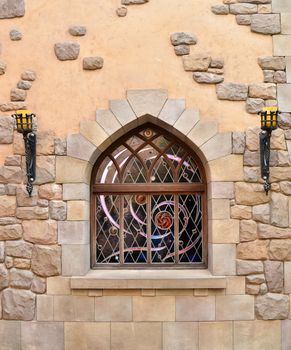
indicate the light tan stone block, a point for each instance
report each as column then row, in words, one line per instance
column 148, row 292
column 72, row 170
column 202, row 132
column 187, row 121
column 122, row 111
column 200, row 292
column 229, row 168
column 136, row 336
column 255, row 250
column 281, row 6
column 40, row 231
column 42, row 335
column 215, row 335
column 45, row 308
column 93, row 132
column 257, row 335
column 250, row 194
column 195, row 308
column 281, row 45
column 121, row 292
column 222, row 259
column 235, row 307
column 172, row 110
column 221, row 190
column 77, row 210
column 95, row 293
column 10, row 335
column 284, row 91
column 7, row 206
column 73, row 308
column 87, row 336
column 180, row 336
column 154, row 309
column 286, row 331
column 113, row 309
column 218, row 209
column 214, row 292
column 218, row 146
column 224, row 231
column 235, row 285
column 173, row 292
column 58, row 285
column 287, row 277
column 73, row 232
column 107, row 120
column 75, row 259
column 241, row 212
column 79, row 147
column 77, row 191
column 288, row 69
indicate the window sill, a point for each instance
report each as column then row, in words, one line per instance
column 148, row 279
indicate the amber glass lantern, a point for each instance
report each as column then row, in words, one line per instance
column 24, row 121
column 269, row 118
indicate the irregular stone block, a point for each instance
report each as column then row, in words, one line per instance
column 266, row 23
column 19, row 249
column 217, row 63
column 15, row 34
column 240, row 212
column 58, row 210
column 133, row 2
column 12, row 8
column 18, row 95
column 9, row 262
column 250, row 194
column 243, row 20
column 248, row 230
column 181, row 50
column 23, row 199
column 28, row 75
column 77, row 30
column 2, row 252
column 272, row 307
column 10, row 232
column 274, row 276
column 45, row 142
column 263, row 90
column 256, row 250
column 60, row 147
column 253, row 289
column 183, row 38
column 220, row 9
column 256, row 1
column 38, row 285
column 251, row 174
column 268, row 76
column 14, row 160
column 238, row 142
column 196, row 62
column 18, row 304
column 262, row 213
column 279, row 210
column 280, row 249
column 50, row 191
column 285, row 187
column 265, row 8
column 21, row 279
column 21, row 263
column 207, row 78
column 46, row 260
column 45, row 169
column 280, row 77
column 3, row 67
column 245, row 267
column 67, row 51
column 30, row 213
column 280, row 174
column 7, row 206
column 24, row 85
column 121, row 11
column 270, row 62
column 4, row 277
column 232, row 91
column 6, row 129
column 39, row 231
column 243, row 9
column 12, row 106
column 284, row 121
column 256, row 279
column 251, row 158
column 254, row 105
column 93, row 63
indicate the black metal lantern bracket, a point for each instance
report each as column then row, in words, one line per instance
column 26, row 125
column 269, row 122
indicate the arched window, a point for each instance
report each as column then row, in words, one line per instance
column 148, row 203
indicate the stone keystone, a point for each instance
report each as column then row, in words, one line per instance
column 67, row 51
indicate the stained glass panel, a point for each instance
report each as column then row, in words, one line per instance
column 135, row 172
column 107, row 173
column 189, row 171
column 162, row 171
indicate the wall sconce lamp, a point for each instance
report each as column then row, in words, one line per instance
column 25, row 125
column 269, row 122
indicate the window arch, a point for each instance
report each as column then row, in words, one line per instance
column 148, row 194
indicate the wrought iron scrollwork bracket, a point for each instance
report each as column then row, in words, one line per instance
column 265, row 138
column 30, row 155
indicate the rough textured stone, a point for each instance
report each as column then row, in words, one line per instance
column 9, row 221
column 243, row 9
column 240, row 212
column 12, row 8
column 58, row 210
column 280, row 249
column 30, row 213
column 14, row 160
column 280, row 77
column 261, row 213
column 23, row 199
column 252, row 289
column 77, row 30
column 21, row 263
column 46, row 260
column 24, row 84
column 220, row 9
column 67, row 51
column 285, row 187
column 40, row 231
column 18, row 304
column 45, row 142
column 254, row 105
column 243, row 20
column 251, row 158
column 12, row 106
column 263, row 90
column 256, row 279
column 4, row 277
column 21, row 279
column 6, row 129
column 183, row 38
column 10, row 232
column 50, row 191
column 207, row 78
column 274, row 276
column 2, row 67
column 266, row 23
column 7, row 206
column 93, row 63
column 38, row 285
column 217, row 63
column 255, row 250
column 18, row 95
column 245, row 267
column 9, row 262
column 196, row 62
column 251, row 174
column 60, row 147
column 232, row 91
column 134, row 2
column 121, row 11
column 272, row 306
column 45, row 169
column 268, row 76
column 28, row 75
column 273, row 63
column 248, row 230
column 279, row 210
column 2, row 252
column 19, row 249
column 280, row 174
column 181, row 50
column 284, row 120
column 250, row 194
column 15, row 34
column 238, row 142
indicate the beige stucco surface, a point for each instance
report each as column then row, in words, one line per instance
column 137, row 54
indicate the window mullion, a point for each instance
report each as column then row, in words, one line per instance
column 149, row 225
column 176, row 228
column 121, row 233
